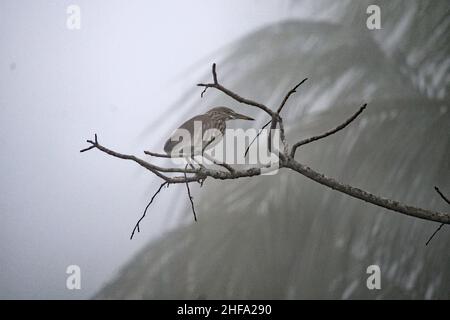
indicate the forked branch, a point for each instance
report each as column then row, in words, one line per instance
column 442, row 224
column 232, row 94
column 286, row 160
column 328, row 133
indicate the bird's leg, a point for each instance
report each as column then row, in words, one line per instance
column 199, row 163
column 188, row 160
column 195, row 160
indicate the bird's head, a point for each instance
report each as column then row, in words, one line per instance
column 226, row 114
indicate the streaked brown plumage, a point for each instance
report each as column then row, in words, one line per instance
column 213, row 125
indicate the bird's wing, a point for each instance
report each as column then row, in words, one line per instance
column 192, row 136
column 211, row 135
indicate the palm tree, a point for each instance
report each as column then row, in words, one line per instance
column 284, row 236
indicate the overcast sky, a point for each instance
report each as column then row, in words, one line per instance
column 57, row 88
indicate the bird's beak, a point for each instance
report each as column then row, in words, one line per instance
column 241, row 116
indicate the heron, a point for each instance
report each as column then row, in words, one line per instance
column 201, row 132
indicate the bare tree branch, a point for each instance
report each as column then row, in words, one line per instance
column 214, row 73
column 93, row 144
column 200, row 173
column 205, row 155
column 328, row 133
column 368, row 197
column 233, row 95
column 292, row 91
column 286, row 161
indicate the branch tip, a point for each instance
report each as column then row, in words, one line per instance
column 87, row 149
column 203, row 92
column 442, row 224
column 442, row 195
column 191, row 199
column 328, row 133
column 93, row 144
column 214, row 73
column 434, row 233
column 292, row 91
column 136, row 227
column 300, row 83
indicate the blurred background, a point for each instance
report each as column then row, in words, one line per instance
column 129, row 75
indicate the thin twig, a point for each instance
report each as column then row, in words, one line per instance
column 328, row 133
column 442, row 195
column 214, row 73
column 293, row 90
column 94, row 144
column 233, row 95
column 136, row 227
column 203, row 92
column 159, row 155
column 87, row 149
column 442, row 224
column 273, row 125
column 190, row 196
column 283, row 137
column 434, row 233
column 259, row 133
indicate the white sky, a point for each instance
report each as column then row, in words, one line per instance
column 58, row 87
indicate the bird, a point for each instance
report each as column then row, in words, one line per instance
column 203, row 131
